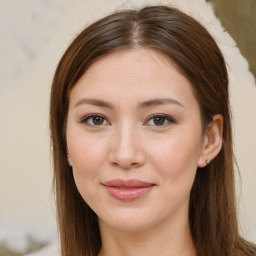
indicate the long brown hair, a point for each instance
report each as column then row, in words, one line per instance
column 212, row 210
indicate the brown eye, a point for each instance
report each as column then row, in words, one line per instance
column 98, row 120
column 159, row 120
column 94, row 120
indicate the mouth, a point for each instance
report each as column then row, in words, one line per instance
column 128, row 190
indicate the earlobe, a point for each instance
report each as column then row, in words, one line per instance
column 212, row 141
column 69, row 159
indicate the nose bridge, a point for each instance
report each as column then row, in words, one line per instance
column 127, row 148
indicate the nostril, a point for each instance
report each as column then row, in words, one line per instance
column 126, row 166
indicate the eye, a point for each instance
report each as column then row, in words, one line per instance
column 160, row 120
column 94, row 120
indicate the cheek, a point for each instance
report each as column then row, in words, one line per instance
column 88, row 159
column 176, row 158
column 176, row 164
column 88, row 155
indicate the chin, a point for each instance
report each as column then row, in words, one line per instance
column 134, row 220
column 128, row 226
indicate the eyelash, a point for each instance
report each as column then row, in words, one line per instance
column 167, row 118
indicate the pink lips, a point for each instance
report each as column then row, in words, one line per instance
column 128, row 190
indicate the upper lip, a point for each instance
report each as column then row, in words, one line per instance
column 131, row 183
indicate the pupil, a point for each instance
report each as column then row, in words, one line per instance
column 159, row 120
column 97, row 120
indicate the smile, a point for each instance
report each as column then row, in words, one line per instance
column 128, row 190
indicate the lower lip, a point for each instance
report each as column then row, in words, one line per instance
column 128, row 194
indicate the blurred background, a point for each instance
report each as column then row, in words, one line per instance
column 33, row 36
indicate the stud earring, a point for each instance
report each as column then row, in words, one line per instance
column 69, row 160
column 207, row 161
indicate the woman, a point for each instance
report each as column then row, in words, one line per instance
column 142, row 140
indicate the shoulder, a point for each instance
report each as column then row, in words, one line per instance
column 51, row 250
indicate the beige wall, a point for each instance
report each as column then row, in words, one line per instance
column 33, row 35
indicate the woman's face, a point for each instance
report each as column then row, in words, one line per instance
column 135, row 140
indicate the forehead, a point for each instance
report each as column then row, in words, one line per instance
column 140, row 61
column 133, row 74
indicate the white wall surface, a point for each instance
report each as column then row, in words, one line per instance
column 33, row 36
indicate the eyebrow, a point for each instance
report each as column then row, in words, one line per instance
column 145, row 104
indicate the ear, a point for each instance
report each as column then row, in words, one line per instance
column 69, row 159
column 212, row 141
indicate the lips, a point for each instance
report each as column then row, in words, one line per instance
column 128, row 190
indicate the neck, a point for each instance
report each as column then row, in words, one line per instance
column 161, row 240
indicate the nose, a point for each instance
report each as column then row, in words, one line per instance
column 126, row 150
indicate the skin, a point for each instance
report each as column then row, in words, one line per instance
column 126, row 142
